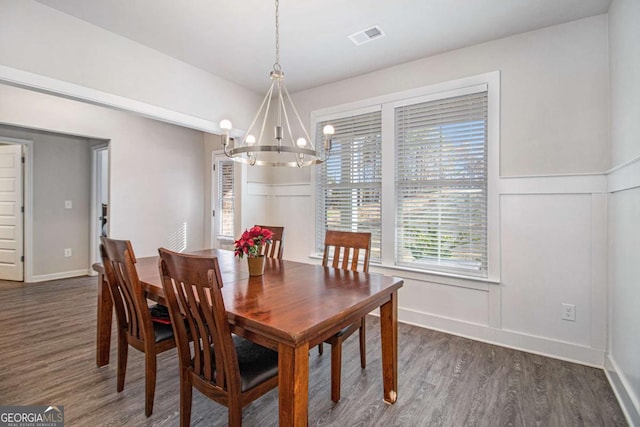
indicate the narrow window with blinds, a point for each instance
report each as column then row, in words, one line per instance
column 349, row 182
column 441, row 185
column 226, row 197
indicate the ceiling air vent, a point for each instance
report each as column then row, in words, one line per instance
column 366, row 35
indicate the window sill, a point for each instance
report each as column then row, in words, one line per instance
column 441, row 278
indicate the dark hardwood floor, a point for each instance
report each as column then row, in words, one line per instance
column 47, row 357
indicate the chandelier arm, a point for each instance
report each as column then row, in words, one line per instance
column 279, row 106
column 266, row 113
column 255, row 118
column 286, row 120
column 295, row 111
column 279, row 124
column 224, row 147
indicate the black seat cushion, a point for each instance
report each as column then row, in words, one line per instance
column 162, row 331
column 159, row 312
column 256, row 363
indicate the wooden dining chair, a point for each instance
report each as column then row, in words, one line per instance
column 275, row 249
column 343, row 249
column 135, row 327
column 224, row 367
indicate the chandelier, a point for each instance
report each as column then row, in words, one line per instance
column 291, row 145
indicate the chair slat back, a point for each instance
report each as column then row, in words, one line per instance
column 132, row 312
column 345, row 248
column 275, row 249
column 192, row 287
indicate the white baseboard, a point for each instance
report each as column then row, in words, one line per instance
column 630, row 405
column 57, row 276
column 510, row 339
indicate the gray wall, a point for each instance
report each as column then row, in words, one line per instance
column 156, row 171
column 61, row 171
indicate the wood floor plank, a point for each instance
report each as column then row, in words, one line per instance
column 47, row 350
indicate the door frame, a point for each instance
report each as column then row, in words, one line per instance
column 27, row 200
column 239, row 188
column 215, row 154
column 95, row 212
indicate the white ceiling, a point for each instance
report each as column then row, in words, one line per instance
column 235, row 38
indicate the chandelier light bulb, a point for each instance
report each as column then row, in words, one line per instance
column 250, row 140
column 225, row 125
column 301, row 142
column 328, row 130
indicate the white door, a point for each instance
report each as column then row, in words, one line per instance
column 11, row 220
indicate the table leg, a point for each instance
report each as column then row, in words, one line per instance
column 389, row 338
column 293, row 385
column 103, row 327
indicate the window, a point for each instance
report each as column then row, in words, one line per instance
column 350, row 181
column 226, row 194
column 437, row 150
column 225, row 198
column 441, row 184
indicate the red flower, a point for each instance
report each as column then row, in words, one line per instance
column 251, row 241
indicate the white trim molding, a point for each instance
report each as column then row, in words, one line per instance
column 505, row 338
column 624, row 177
column 279, row 190
column 61, row 275
column 630, row 404
column 553, row 184
column 43, row 84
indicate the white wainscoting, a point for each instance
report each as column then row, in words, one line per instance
column 546, row 244
column 553, row 251
column 623, row 358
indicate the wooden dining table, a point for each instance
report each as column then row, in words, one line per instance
column 291, row 308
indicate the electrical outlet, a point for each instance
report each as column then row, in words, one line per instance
column 569, row 312
column 67, row 252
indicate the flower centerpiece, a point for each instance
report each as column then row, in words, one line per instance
column 250, row 244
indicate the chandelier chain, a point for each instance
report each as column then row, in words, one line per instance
column 276, row 65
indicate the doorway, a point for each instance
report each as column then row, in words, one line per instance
column 99, row 198
column 223, row 194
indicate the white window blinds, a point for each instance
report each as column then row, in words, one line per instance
column 349, row 182
column 441, row 185
column 226, row 196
